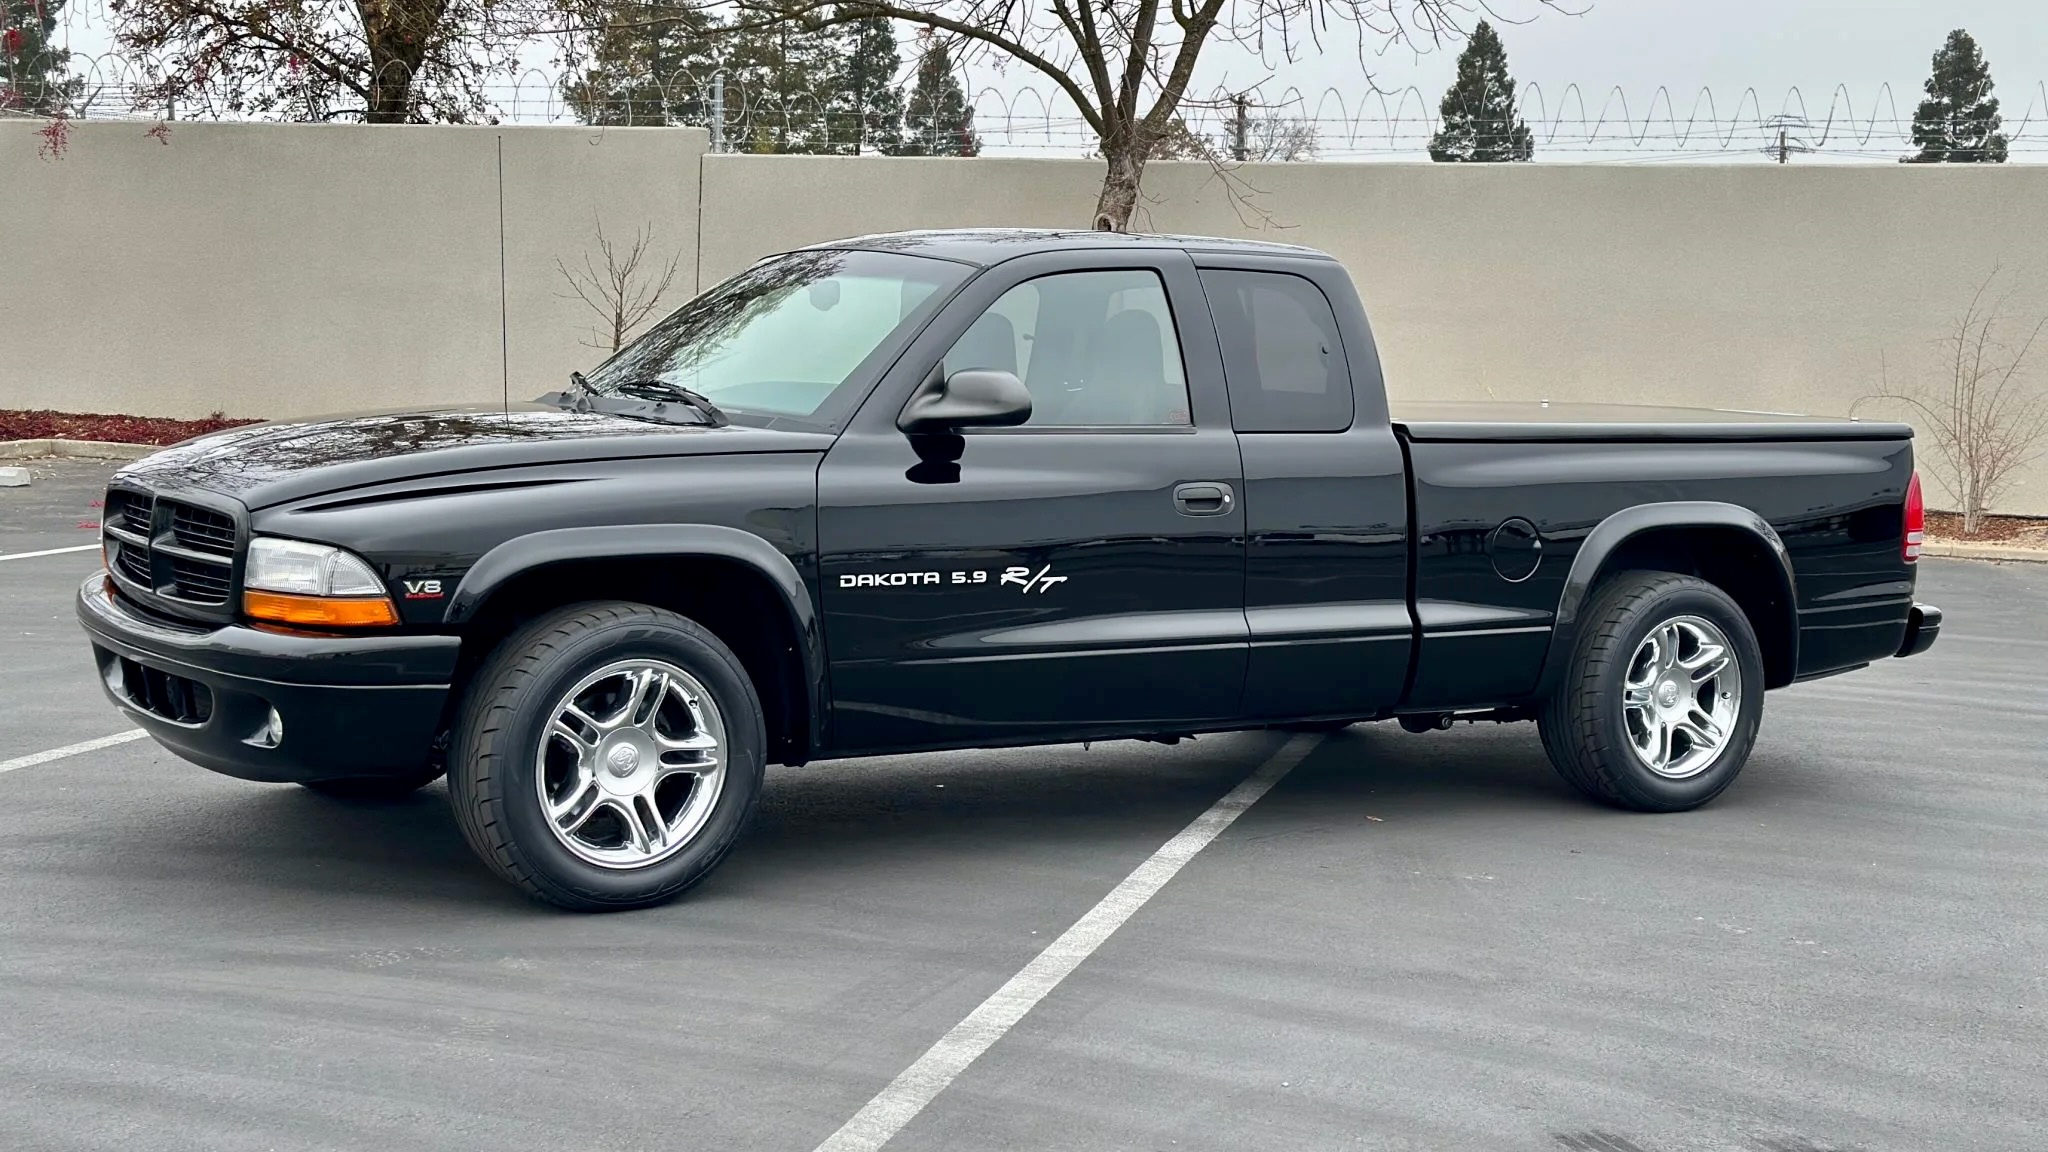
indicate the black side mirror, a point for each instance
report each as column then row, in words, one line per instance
column 974, row 398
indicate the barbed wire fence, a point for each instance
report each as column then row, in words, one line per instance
column 1568, row 122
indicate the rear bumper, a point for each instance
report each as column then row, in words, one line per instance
column 270, row 706
column 1923, row 627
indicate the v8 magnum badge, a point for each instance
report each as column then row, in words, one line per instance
column 1025, row 579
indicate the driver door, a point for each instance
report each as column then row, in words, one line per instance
column 1080, row 574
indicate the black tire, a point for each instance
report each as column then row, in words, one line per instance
column 375, row 789
column 512, row 699
column 1583, row 725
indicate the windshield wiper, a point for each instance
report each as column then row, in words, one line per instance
column 661, row 391
column 644, row 399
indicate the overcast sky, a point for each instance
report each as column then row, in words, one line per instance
column 1732, row 44
column 1726, row 46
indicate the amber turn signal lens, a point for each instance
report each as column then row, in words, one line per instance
column 321, row 611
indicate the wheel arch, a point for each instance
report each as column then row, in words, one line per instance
column 764, row 611
column 1726, row 545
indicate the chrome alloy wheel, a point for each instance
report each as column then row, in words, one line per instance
column 632, row 764
column 1681, row 697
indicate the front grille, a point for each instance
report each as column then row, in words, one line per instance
column 202, row 529
column 178, row 552
column 199, row 581
column 130, row 510
column 133, row 563
column 174, row 698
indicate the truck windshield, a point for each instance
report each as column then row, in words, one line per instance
column 781, row 338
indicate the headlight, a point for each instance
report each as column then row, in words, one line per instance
column 294, row 582
column 304, row 569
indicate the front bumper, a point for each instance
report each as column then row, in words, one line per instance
column 268, row 705
column 1923, row 627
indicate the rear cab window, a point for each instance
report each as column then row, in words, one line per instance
column 1283, row 359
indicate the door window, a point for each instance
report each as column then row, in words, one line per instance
column 1095, row 349
column 1281, row 353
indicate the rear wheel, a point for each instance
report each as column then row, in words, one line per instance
column 1660, row 705
column 608, row 756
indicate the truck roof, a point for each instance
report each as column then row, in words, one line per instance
column 985, row 246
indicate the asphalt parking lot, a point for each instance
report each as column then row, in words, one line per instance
column 1411, row 942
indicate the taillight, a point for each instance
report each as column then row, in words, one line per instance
column 1916, row 519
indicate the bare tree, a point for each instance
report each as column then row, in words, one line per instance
column 625, row 293
column 1128, row 64
column 1278, row 137
column 1983, row 418
column 380, row 61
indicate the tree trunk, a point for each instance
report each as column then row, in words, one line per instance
column 1119, row 197
column 397, row 32
column 390, row 94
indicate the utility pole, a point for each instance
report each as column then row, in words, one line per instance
column 1791, row 136
column 1238, row 148
column 718, row 111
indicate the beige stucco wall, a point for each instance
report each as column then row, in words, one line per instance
column 265, row 270
column 283, row 270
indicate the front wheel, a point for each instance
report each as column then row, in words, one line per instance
column 1660, row 705
column 608, row 756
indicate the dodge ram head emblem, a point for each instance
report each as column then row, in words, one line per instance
column 622, row 759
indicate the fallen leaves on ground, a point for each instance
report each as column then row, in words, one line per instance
column 45, row 425
column 2026, row 531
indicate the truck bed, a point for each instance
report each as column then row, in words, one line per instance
column 1831, row 491
column 1487, row 420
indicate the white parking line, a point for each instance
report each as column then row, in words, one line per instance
column 47, row 552
column 35, row 758
column 907, row 1095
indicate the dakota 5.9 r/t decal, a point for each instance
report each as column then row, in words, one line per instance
column 1028, row 580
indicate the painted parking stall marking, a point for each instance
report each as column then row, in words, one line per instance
column 48, row 552
column 35, row 758
column 898, row 1104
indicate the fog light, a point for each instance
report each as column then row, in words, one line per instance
column 271, row 734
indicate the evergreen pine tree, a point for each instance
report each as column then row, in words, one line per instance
column 868, row 114
column 645, row 70
column 1479, row 122
column 34, row 73
column 785, row 80
column 938, row 121
column 1958, row 122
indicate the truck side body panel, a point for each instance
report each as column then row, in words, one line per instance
column 1835, row 504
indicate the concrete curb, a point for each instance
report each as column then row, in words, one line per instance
column 83, row 449
column 1961, row 551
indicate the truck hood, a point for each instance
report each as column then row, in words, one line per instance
column 267, row 464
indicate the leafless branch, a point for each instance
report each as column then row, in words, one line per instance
column 623, row 293
column 1981, row 414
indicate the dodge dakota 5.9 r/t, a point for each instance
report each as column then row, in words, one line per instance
column 952, row 489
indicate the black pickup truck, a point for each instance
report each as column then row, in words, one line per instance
column 952, row 489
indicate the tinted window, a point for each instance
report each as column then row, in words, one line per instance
column 782, row 337
column 1281, row 353
column 1094, row 348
